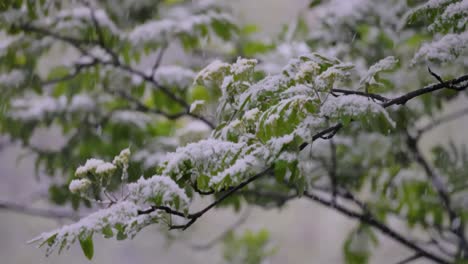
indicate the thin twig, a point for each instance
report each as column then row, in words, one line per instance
column 158, row 60
column 410, row 259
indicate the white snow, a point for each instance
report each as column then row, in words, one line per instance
column 387, row 63
column 79, row 185
column 136, row 118
column 12, row 78
column 446, row 49
column 32, row 107
column 97, row 166
column 177, row 76
column 196, row 106
column 144, row 190
column 163, row 29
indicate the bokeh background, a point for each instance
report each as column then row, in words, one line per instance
column 302, row 231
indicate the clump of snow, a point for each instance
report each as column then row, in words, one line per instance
column 136, row 118
column 307, row 69
column 435, row 3
column 6, row 41
column 11, row 79
column 446, row 49
column 79, row 185
column 72, row 17
column 242, row 168
column 327, row 79
column 352, row 105
column 174, row 76
column 123, row 158
column 213, row 71
column 95, row 53
column 123, row 213
column 458, row 10
column 385, row 64
column 82, row 102
column 251, row 114
column 95, row 166
column 33, row 107
column 204, row 157
column 196, row 106
column 161, row 30
column 146, row 190
column 274, row 61
column 192, row 131
column 243, row 65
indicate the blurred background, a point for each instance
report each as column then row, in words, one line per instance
column 302, row 231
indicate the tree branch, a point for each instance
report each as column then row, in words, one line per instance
column 370, row 95
column 442, row 192
column 442, row 120
column 158, row 60
column 45, row 213
column 452, row 84
column 116, row 63
column 410, row 259
column 371, row 221
column 195, row 216
column 365, row 217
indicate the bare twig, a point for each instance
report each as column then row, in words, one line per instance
column 158, row 60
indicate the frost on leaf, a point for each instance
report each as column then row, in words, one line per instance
column 446, row 49
column 79, row 185
column 120, row 220
column 158, row 191
column 12, row 79
column 370, row 78
column 348, row 107
column 95, row 166
column 80, row 17
column 443, row 15
column 159, row 31
column 174, row 76
column 123, row 218
column 197, row 106
column 261, row 124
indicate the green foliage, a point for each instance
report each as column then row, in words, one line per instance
column 251, row 247
column 241, row 110
column 86, row 243
column 357, row 245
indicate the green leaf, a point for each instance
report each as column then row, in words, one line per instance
column 315, row 3
column 107, row 231
column 87, row 246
